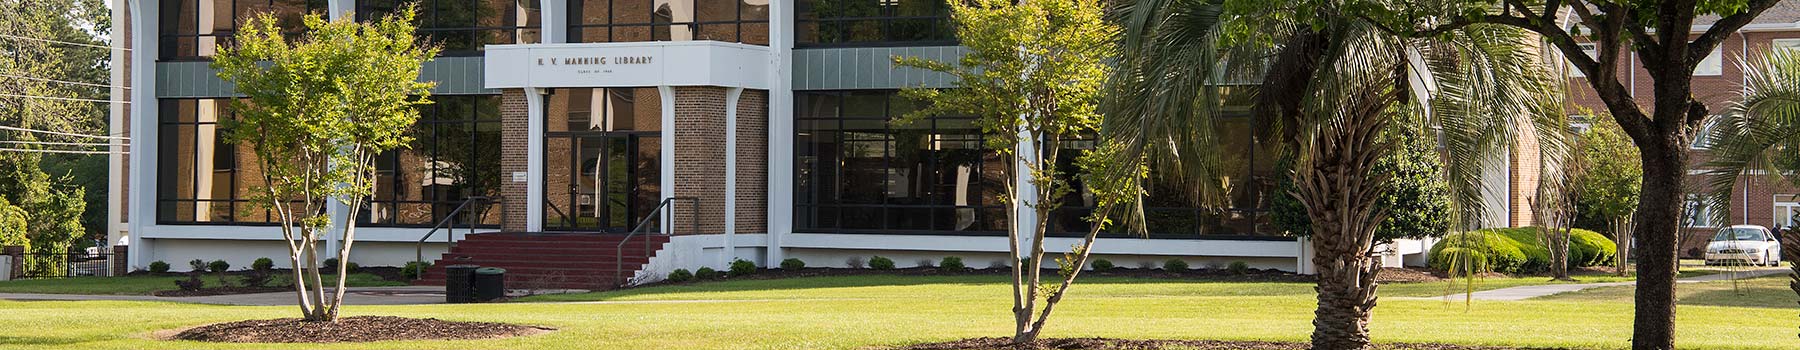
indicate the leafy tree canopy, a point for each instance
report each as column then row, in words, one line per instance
column 1417, row 196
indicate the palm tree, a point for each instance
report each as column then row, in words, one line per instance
column 1330, row 82
column 1760, row 133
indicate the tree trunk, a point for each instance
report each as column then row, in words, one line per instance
column 1340, row 196
column 1656, row 224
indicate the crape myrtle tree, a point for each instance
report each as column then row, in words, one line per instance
column 1558, row 196
column 317, row 111
column 1760, row 133
column 1657, row 32
column 1610, row 183
column 1332, row 83
column 1033, row 78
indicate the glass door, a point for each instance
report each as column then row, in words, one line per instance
column 605, row 182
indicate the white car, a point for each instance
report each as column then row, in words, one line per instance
column 1748, row 244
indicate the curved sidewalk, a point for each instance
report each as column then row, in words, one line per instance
column 1528, row 292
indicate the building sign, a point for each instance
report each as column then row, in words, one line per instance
column 636, row 64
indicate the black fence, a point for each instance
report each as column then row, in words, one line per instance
column 60, row 265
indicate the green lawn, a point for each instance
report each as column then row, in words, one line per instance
column 863, row 311
column 1764, row 292
column 145, row 285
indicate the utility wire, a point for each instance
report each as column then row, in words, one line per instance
column 16, row 37
column 48, row 143
column 65, row 98
column 58, row 151
column 63, row 81
column 13, row 128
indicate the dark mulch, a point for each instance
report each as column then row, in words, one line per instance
column 227, row 290
column 353, row 329
column 1406, row 275
column 1129, row 344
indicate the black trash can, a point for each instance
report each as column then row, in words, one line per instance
column 490, row 283
column 459, row 283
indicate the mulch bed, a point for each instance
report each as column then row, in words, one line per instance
column 353, row 329
column 1129, row 344
column 228, row 290
column 1406, row 275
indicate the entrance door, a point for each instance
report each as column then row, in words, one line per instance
column 606, row 182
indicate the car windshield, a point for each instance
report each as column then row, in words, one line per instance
column 1739, row 234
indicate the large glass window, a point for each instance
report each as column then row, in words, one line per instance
column 464, row 27
column 873, row 22
column 193, row 29
column 455, row 155
column 201, row 178
column 601, row 21
column 602, row 159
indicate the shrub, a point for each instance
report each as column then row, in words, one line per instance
column 706, row 273
column 881, row 263
column 197, row 266
column 680, row 275
column 1101, row 265
column 1239, row 267
column 741, row 267
column 354, row 267
column 1175, row 265
column 1518, row 250
column 159, row 267
column 951, row 263
column 1589, row 248
column 328, row 264
column 1498, row 252
column 926, row 263
column 262, row 265
column 218, row 266
column 414, row 269
column 1452, row 261
column 854, row 262
column 256, row 279
column 792, row 264
column 192, row 283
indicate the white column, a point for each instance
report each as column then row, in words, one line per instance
column 534, row 164
column 780, row 188
column 731, row 175
column 666, row 160
column 142, row 198
column 339, row 8
column 115, row 161
column 555, row 20
column 1027, row 192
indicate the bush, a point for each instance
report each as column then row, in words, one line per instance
column 792, row 264
column 192, row 283
column 354, row 267
column 881, row 263
column 1175, row 265
column 1589, row 248
column 1101, row 265
column 159, row 267
column 680, row 275
column 1453, row 263
column 1499, row 253
column 218, row 266
column 1518, row 250
column 706, row 273
column 414, row 269
column 262, row 265
column 197, row 266
column 256, row 279
column 1239, row 267
column 951, row 263
column 741, row 267
column 328, row 265
column 854, row 262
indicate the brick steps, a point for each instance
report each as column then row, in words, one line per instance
column 532, row 260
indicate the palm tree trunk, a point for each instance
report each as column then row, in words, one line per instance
column 1340, row 196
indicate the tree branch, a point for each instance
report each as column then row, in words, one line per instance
column 1703, row 45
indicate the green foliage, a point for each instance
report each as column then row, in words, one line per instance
column 218, row 266
column 197, row 266
column 706, row 273
column 792, row 264
column 1518, row 249
column 414, row 269
column 52, row 191
column 1175, row 265
column 680, row 275
column 881, row 263
column 1458, row 261
column 192, row 283
column 741, row 267
column 1101, row 265
column 1238, row 267
column 855, row 262
column 1417, row 196
column 13, row 225
column 1612, row 178
column 256, row 279
column 159, row 267
column 951, row 263
column 266, row 264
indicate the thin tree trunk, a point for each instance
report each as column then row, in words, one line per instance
column 1655, row 225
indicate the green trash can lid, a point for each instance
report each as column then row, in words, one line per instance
column 490, row 271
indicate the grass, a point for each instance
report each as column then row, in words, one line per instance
column 1761, row 292
column 146, row 285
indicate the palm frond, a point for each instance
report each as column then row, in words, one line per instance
column 1759, row 134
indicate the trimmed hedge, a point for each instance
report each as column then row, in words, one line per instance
column 1518, row 250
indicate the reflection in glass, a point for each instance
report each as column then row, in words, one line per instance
column 463, row 27
column 742, row 21
column 602, row 158
column 193, row 29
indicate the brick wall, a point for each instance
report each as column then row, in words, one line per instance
column 515, row 138
column 752, row 161
column 1523, row 180
column 700, row 157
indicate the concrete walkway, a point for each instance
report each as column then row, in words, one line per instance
column 401, row 295
column 1528, row 292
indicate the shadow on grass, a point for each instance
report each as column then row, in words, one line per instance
column 801, row 284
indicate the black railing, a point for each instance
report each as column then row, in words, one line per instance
column 63, row 265
column 655, row 216
column 449, row 225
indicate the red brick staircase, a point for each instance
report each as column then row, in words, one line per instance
column 537, row 261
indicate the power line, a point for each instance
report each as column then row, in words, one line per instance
column 49, row 143
column 25, row 150
column 63, row 81
column 3, row 127
column 8, row 36
column 65, row 98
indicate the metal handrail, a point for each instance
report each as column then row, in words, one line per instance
column 655, row 214
column 448, row 222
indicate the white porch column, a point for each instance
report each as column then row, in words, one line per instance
column 731, row 175
column 554, row 18
column 780, row 203
column 143, row 129
column 666, row 160
column 1027, row 193
column 534, row 166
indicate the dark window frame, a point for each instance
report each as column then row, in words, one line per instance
column 428, row 13
column 170, row 18
column 885, row 22
column 576, row 23
column 431, row 127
